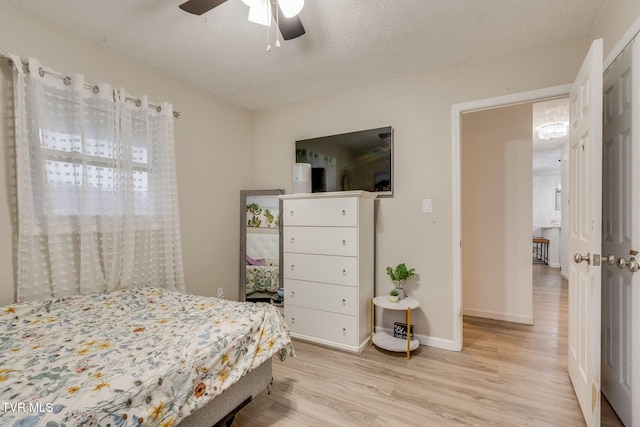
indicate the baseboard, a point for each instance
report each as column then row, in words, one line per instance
column 554, row 265
column 564, row 275
column 516, row 318
column 331, row 344
column 426, row 340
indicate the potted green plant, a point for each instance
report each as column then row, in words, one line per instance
column 398, row 275
column 393, row 295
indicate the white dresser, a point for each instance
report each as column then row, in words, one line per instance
column 328, row 267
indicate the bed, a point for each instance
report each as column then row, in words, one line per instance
column 144, row 356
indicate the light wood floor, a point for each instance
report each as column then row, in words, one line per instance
column 507, row 375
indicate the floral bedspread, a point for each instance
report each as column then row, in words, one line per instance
column 133, row 357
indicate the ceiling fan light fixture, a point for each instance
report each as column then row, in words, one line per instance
column 260, row 12
column 290, row 8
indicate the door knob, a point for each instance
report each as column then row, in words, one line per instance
column 622, row 263
column 577, row 258
column 609, row 259
column 631, row 264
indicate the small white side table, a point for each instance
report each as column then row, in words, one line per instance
column 388, row 341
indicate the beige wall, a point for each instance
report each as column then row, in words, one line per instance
column 419, row 109
column 213, row 141
column 497, row 182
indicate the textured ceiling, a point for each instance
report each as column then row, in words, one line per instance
column 349, row 43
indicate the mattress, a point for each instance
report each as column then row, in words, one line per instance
column 129, row 357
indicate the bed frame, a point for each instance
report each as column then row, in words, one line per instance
column 221, row 410
column 225, row 397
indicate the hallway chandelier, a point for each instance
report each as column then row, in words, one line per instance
column 553, row 130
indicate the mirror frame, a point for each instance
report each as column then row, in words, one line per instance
column 243, row 236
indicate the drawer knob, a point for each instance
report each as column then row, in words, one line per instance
column 344, row 301
column 344, row 242
column 293, row 319
column 344, row 212
column 292, row 267
column 293, row 240
column 293, row 294
column 290, row 213
column 344, row 272
column 344, row 331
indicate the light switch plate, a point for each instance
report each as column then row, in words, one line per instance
column 426, row 206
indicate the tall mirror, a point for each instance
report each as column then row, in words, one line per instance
column 260, row 245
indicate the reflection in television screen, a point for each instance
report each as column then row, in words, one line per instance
column 360, row 160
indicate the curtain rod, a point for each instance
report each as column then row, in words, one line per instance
column 94, row 88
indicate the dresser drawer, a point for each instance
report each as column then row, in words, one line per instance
column 322, row 324
column 321, row 268
column 341, row 241
column 339, row 212
column 322, row 296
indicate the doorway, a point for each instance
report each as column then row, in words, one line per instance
column 542, row 275
column 512, row 173
column 486, row 104
column 456, row 117
column 497, row 217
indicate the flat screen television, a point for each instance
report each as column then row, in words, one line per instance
column 361, row 160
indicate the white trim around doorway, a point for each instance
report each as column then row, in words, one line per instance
column 456, row 111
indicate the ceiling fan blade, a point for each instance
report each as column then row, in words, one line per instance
column 198, row 7
column 290, row 28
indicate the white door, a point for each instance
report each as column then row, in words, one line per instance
column 585, row 210
column 621, row 232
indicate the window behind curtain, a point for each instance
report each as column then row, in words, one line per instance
column 97, row 193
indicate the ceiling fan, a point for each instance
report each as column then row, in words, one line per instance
column 290, row 27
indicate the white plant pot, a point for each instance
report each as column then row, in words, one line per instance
column 393, row 298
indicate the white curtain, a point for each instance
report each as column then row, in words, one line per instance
column 97, row 195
